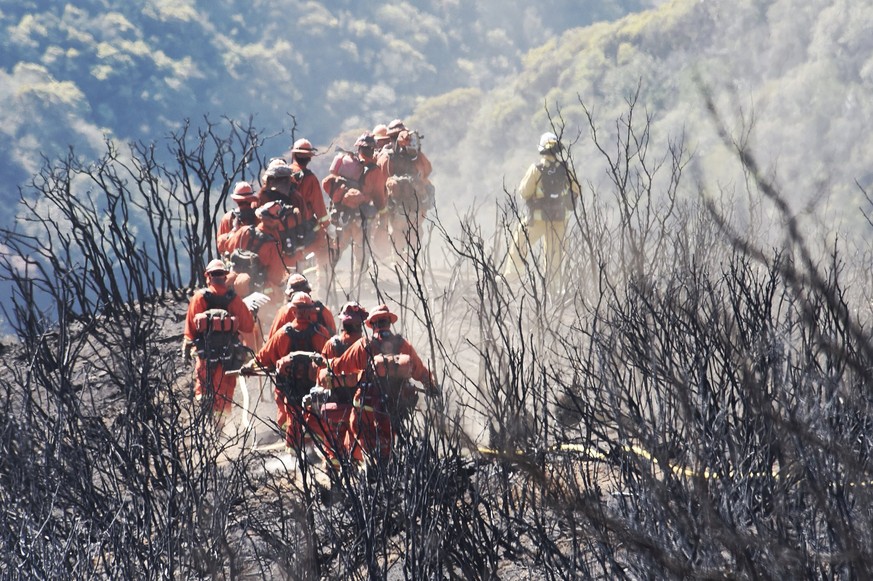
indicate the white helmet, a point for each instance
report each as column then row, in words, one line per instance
column 549, row 143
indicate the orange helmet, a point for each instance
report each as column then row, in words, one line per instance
column 303, row 147
column 297, row 283
column 380, row 313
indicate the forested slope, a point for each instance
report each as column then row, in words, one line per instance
column 71, row 72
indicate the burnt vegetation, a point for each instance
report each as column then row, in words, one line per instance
column 691, row 402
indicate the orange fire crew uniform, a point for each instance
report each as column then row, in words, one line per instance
column 309, row 187
column 285, row 315
column 371, row 428
column 356, row 187
column 409, row 192
column 209, row 376
column 336, row 414
column 292, row 382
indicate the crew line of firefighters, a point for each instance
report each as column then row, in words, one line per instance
column 363, row 389
column 374, row 200
column 362, row 381
column 378, row 197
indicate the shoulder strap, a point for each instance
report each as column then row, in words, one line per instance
column 319, row 306
column 338, row 346
column 300, row 340
column 216, row 301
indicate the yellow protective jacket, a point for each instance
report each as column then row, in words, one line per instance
column 548, row 190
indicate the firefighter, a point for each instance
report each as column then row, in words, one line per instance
column 299, row 283
column 409, row 191
column 356, row 187
column 384, row 364
column 338, row 389
column 293, row 353
column 380, row 135
column 267, row 268
column 233, row 220
column 549, row 190
column 316, row 221
column 216, row 315
column 278, row 185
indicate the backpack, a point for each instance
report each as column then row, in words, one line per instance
column 298, row 375
column 243, row 218
column 217, row 336
column 555, row 186
column 245, row 260
column 391, row 371
column 352, row 170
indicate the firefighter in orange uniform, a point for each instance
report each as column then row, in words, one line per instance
column 410, row 193
column 263, row 239
column 384, row 364
column 293, row 353
column 215, row 316
column 314, row 212
column 356, row 187
column 299, row 283
column 335, row 413
column 233, row 220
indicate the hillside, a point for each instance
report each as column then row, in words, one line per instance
column 137, row 70
column 688, row 397
column 789, row 79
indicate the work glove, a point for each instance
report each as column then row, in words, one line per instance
column 188, row 352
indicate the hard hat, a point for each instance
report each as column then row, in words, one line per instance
column 302, row 300
column 395, row 127
column 366, row 140
column 216, row 266
column 278, row 169
column 379, row 313
column 380, row 132
column 297, row 283
column 549, row 142
column 303, row 147
column 242, row 192
column 353, row 311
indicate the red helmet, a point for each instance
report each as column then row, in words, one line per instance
column 303, row 147
column 353, row 312
column 297, row 283
column 380, row 313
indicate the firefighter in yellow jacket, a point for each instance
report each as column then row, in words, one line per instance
column 549, row 190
